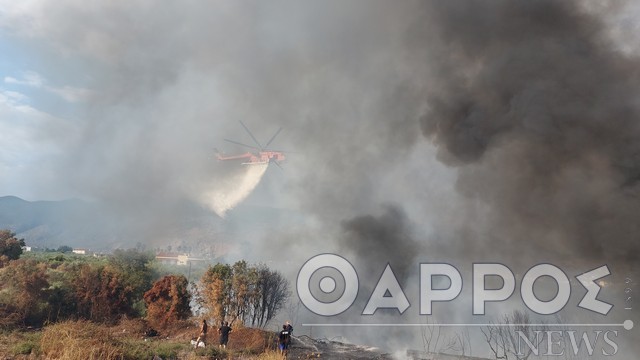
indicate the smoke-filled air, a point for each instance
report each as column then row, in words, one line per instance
column 455, row 132
column 229, row 192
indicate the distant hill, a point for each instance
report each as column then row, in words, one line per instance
column 85, row 224
column 48, row 223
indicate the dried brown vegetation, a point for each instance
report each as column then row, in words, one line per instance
column 72, row 340
column 168, row 301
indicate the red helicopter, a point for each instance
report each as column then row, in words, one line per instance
column 263, row 155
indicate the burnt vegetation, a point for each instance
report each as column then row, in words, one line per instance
column 41, row 289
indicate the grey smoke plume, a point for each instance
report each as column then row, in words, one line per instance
column 534, row 104
column 384, row 239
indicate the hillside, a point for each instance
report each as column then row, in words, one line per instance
column 47, row 223
column 85, row 224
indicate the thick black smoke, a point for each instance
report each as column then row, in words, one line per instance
column 381, row 240
column 533, row 103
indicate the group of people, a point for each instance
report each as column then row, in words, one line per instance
column 223, row 331
column 284, row 338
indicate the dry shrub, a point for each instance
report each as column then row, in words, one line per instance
column 79, row 340
column 183, row 330
column 270, row 355
column 130, row 327
column 168, row 301
column 136, row 328
column 248, row 340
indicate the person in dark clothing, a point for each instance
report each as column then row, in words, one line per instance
column 203, row 333
column 284, row 339
column 224, row 331
column 290, row 330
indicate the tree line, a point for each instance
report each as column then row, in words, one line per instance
column 37, row 291
column 252, row 295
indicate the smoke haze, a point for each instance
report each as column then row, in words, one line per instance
column 416, row 131
column 540, row 112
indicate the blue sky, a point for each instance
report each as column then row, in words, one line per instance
column 42, row 94
column 30, row 103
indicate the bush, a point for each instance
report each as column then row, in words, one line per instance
column 25, row 348
column 26, row 343
column 23, row 296
column 168, row 301
column 10, row 246
column 102, row 293
column 250, row 340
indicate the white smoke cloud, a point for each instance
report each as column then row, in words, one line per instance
column 230, row 191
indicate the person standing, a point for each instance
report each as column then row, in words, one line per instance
column 224, row 331
column 284, row 339
column 203, row 333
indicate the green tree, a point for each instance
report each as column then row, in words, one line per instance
column 273, row 293
column 216, row 283
column 10, row 246
column 240, row 291
column 136, row 268
column 251, row 294
column 65, row 249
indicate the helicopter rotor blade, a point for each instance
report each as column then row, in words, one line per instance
column 241, row 144
column 273, row 137
column 282, row 151
column 250, row 134
column 278, row 164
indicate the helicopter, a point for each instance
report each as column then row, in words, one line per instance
column 263, row 155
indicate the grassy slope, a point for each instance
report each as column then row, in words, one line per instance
column 84, row 340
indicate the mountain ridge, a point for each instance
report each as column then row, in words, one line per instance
column 80, row 223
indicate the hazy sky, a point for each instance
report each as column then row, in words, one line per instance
column 125, row 102
column 459, row 130
column 455, row 114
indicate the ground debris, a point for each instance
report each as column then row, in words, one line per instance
column 304, row 347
